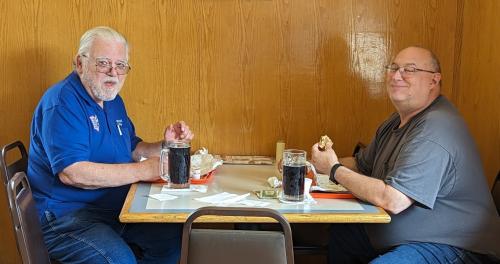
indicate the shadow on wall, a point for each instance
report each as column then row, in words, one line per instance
column 340, row 97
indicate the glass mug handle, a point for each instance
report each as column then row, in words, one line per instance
column 164, row 164
column 312, row 168
column 315, row 174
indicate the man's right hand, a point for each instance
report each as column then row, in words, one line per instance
column 150, row 169
column 324, row 160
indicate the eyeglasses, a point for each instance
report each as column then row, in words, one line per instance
column 405, row 69
column 104, row 65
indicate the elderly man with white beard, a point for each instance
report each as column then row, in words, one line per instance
column 84, row 154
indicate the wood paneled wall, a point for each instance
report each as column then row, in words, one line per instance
column 245, row 73
column 477, row 93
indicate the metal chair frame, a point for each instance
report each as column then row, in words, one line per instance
column 22, row 205
column 8, row 170
column 25, row 219
column 237, row 211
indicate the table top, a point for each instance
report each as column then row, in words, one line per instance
column 241, row 179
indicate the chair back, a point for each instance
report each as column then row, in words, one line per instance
column 236, row 246
column 25, row 219
column 8, row 170
column 359, row 146
column 495, row 192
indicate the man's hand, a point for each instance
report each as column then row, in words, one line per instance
column 178, row 131
column 323, row 160
column 150, row 169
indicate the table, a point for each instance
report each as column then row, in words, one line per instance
column 241, row 179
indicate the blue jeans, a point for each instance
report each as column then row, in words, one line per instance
column 97, row 236
column 349, row 243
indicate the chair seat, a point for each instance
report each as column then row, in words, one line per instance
column 264, row 246
column 221, row 246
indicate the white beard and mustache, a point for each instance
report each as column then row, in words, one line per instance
column 98, row 90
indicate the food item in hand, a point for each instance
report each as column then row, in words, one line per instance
column 323, row 141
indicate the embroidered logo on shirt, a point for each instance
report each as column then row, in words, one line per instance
column 95, row 122
column 119, row 124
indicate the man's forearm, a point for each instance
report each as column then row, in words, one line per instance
column 373, row 190
column 146, row 150
column 90, row 175
column 349, row 162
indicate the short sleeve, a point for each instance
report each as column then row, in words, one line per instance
column 65, row 133
column 420, row 171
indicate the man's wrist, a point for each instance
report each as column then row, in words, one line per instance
column 333, row 171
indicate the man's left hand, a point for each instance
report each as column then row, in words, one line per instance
column 178, row 131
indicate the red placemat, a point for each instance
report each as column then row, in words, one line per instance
column 204, row 179
column 333, row 195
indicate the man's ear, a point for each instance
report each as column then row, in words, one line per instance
column 436, row 78
column 78, row 64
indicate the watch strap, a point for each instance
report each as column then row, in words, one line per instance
column 333, row 171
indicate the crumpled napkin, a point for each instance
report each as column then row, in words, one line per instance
column 203, row 163
column 274, row 182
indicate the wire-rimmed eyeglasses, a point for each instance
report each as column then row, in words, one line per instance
column 405, row 69
column 104, row 65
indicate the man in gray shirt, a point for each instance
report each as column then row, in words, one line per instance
column 424, row 169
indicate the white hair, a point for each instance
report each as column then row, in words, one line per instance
column 92, row 34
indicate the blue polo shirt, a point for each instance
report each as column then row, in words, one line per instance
column 68, row 126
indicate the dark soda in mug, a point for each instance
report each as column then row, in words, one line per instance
column 293, row 181
column 294, row 172
column 178, row 156
column 179, row 163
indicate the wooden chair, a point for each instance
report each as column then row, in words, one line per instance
column 236, row 246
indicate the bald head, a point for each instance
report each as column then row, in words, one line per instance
column 413, row 80
column 425, row 56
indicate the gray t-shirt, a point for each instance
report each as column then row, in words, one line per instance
column 433, row 160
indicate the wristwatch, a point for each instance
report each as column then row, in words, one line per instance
column 332, row 172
